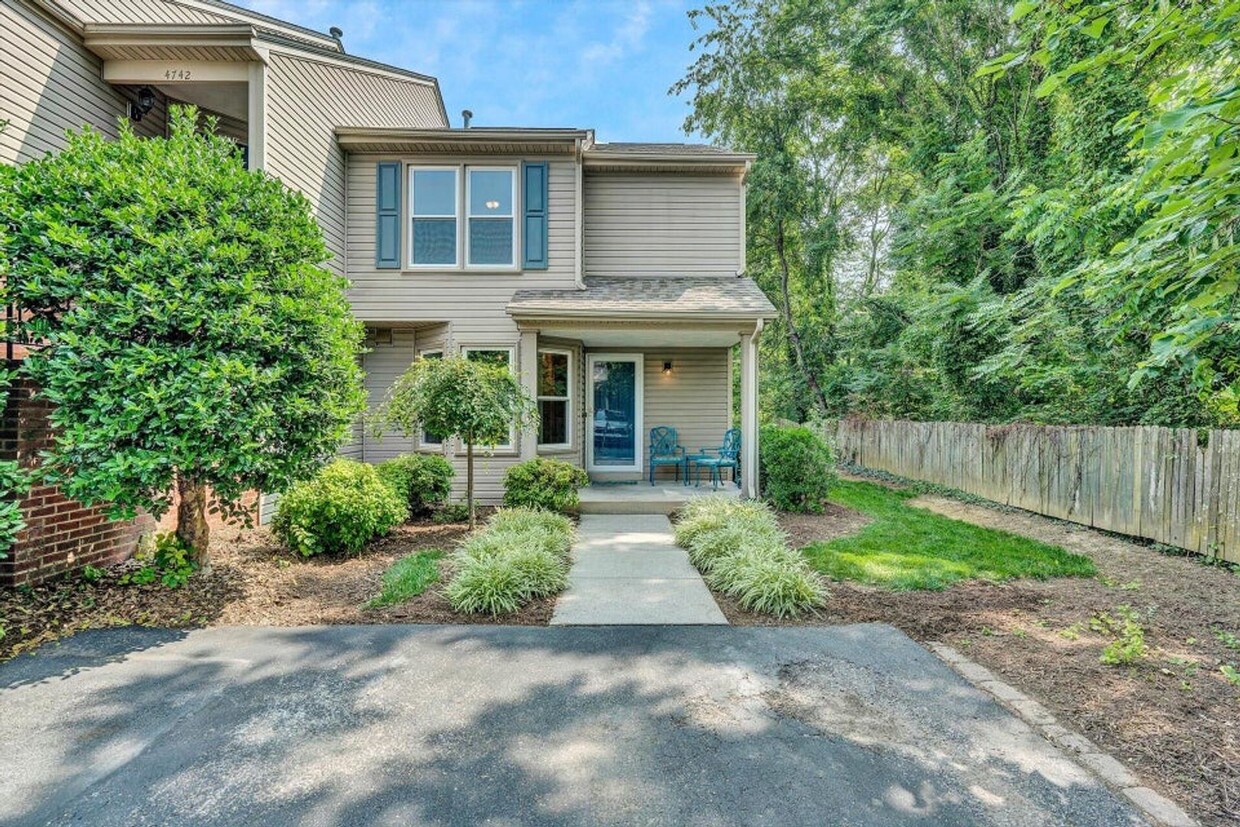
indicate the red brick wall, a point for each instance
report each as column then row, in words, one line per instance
column 60, row 534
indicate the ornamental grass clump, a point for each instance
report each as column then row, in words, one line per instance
column 519, row 556
column 742, row 552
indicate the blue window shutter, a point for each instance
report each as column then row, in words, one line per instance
column 534, row 234
column 387, row 215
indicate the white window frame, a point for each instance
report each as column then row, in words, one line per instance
column 511, row 350
column 567, row 399
column 423, row 444
column 456, row 215
column 466, row 215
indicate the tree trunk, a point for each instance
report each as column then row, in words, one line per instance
column 469, row 480
column 794, row 338
column 192, row 528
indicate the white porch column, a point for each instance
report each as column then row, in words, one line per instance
column 528, row 356
column 749, row 412
column 256, row 140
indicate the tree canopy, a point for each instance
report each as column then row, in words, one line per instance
column 478, row 402
column 967, row 209
column 190, row 338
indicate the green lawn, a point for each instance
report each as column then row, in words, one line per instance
column 911, row 548
column 408, row 577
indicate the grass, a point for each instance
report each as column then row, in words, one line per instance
column 907, row 548
column 408, row 577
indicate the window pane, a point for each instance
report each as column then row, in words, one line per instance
column 490, row 241
column 489, row 357
column 434, row 192
column 552, row 422
column 490, row 192
column 553, row 374
column 434, row 241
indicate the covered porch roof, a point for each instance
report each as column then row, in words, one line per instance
column 691, row 312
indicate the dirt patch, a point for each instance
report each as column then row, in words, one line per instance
column 252, row 581
column 834, row 521
column 1173, row 717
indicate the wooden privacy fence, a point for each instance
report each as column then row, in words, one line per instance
column 1159, row 483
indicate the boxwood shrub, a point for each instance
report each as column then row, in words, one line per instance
column 521, row 554
column 741, row 550
column 424, row 481
column 549, row 484
column 340, row 509
column 797, row 468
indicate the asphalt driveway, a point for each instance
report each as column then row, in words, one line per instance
column 461, row 725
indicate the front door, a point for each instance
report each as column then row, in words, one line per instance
column 615, row 411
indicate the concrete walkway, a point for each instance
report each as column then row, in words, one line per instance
column 627, row 570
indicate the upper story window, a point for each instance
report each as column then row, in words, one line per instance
column 434, row 207
column 467, row 213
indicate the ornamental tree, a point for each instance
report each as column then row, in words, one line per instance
column 191, row 341
column 476, row 402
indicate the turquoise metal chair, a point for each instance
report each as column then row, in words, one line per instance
column 665, row 449
column 727, row 455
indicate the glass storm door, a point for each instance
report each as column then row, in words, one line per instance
column 615, row 410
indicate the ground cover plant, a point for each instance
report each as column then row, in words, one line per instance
column 910, row 548
column 408, row 577
column 340, row 509
column 519, row 556
column 741, row 551
column 543, row 483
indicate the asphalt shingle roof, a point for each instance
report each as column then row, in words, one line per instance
column 686, row 296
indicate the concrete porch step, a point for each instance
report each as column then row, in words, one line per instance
column 643, row 498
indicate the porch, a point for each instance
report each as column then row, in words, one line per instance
column 654, row 353
column 644, row 498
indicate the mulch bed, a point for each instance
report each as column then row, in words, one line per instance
column 252, row 580
column 1173, row 717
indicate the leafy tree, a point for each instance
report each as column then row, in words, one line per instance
column 191, row 341
column 477, row 402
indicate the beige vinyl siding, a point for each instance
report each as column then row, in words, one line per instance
column 140, row 11
column 664, row 224
column 49, row 83
column 695, row 400
column 306, row 100
column 475, row 301
column 383, row 364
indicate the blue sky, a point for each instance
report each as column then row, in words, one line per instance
column 605, row 64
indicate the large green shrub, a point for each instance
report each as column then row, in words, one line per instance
column 550, row 484
column 191, row 340
column 341, row 508
column 520, row 555
column 797, row 468
column 424, row 481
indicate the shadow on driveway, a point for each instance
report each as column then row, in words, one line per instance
column 548, row 726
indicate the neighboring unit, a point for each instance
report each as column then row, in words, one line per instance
column 609, row 277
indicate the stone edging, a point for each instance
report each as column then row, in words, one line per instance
column 1155, row 806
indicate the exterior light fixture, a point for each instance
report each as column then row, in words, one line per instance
column 145, row 103
column 667, row 368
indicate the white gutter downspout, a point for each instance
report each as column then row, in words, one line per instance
column 578, row 275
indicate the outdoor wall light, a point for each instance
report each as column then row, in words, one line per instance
column 145, row 103
column 667, row 368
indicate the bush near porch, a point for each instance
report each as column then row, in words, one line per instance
column 796, row 468
column 343, row 507
column 424, row 481
column 549, row 484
